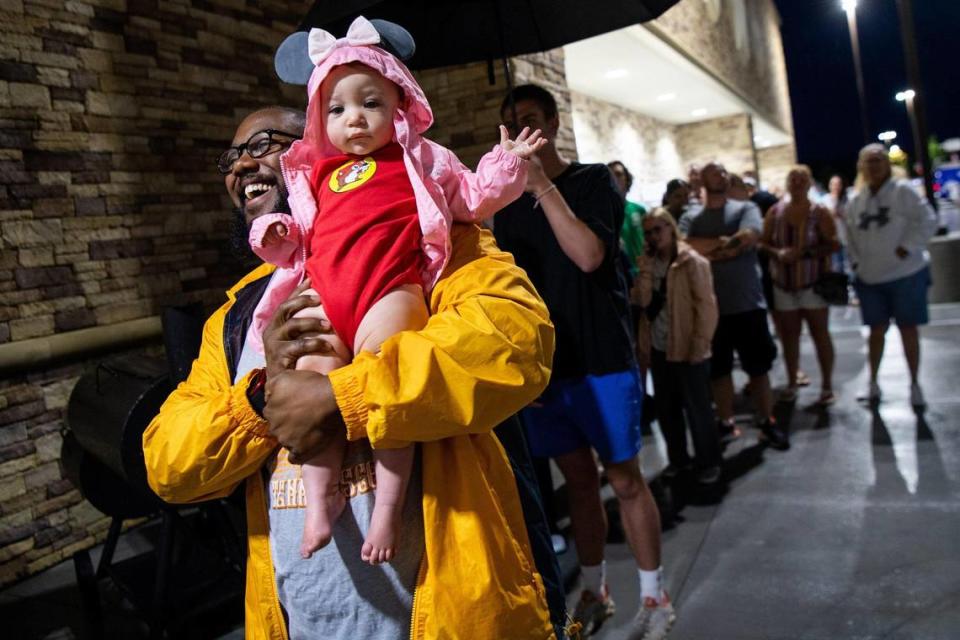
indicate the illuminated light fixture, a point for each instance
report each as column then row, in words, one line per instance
column 613, row 74
column 666, row 97
column 905, row 95
column 887, row 136
column 894, row 148
column 698, row 112
column 850, row 6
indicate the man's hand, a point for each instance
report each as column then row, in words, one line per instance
column 525, row 146
column 902, row 253
column 303, row 413
column 287, row 338
column 537, row 180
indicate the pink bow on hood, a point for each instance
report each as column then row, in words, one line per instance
column 445, row 190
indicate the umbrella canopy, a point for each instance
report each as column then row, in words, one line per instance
column 449, row 32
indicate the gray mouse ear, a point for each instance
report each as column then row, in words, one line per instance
column 292, row 60
column 395, row 39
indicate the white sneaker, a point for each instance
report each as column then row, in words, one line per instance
column 916, row 397
column 653, row 620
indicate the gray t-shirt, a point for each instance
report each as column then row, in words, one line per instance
column 737, row 282
column 334, row 594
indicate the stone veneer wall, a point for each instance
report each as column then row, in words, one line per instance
column 647, row 146
column 728, row 140
column 111, row 115
column 756, row 69
column 774, row 164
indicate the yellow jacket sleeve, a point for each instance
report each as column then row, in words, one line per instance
column 485, row 353
column 207, row 438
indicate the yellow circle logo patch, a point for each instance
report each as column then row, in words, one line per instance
column 352, row 174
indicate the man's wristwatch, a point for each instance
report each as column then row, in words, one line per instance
column 256, row 391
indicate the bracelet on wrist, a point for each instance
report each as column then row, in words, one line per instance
column 540, row 195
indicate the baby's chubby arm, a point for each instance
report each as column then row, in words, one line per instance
column 499, row 180
column 276, row 238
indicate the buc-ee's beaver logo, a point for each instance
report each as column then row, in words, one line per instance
column 352, row 174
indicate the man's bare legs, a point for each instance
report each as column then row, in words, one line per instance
column 638, row 511
column 875, row 348
column 723, row 397
column 587, row 516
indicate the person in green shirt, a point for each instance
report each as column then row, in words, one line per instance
column 631, row 234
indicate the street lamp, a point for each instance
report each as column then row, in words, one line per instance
column 887, row 136
column 906, row 96
column 850, row 6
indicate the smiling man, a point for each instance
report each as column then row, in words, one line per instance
column 471, row 563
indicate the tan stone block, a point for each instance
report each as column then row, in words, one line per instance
column 11, row 6
column 107, row 41
column 56, row 394
column 106, row 142
column 11, row 488
column 33, row 309
column 94, row 59
column 11, row 551
column 31, row 328
column 111, row 104
column 50, row 59
column 18, row 465
column 83, row 514
column 124, row 311
column 44, row 562
column 40, row 257
column 29, row 95
column 53, row 77
column 87, row 235
column 61, row 140
column 59, row 503
column 53, row 177
column 69, row 106
column 48, row 446
column 30, row 233
column 91, row 276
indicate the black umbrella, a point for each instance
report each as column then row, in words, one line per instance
column 449, row 32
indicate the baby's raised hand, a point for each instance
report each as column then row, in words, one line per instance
column 274, row 234
column 525, row 145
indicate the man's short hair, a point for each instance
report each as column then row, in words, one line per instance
column 543, row 98
column 626, row 172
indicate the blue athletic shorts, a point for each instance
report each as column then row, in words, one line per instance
column 602, row 412
column 903, row 300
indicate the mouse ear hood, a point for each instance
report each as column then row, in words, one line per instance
column 293, row 62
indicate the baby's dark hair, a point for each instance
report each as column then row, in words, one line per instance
column 543, row 98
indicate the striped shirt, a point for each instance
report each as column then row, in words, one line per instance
column 814, row 231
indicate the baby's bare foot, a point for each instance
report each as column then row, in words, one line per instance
column 382, row 538
column 318, row 522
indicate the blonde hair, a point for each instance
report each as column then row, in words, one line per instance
column 661, row 213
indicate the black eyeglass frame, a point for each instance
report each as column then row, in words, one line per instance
column 245, row 147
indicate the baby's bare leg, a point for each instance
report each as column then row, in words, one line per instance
column 321, row 475
column 324, row 499
column 327, row 362
column 401, row 309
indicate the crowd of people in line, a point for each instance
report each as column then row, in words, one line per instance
column 460, row 360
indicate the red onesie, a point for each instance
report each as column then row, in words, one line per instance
column 366, row 238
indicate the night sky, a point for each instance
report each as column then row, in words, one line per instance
column 823, row 90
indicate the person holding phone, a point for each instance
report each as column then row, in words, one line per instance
column 675, row 290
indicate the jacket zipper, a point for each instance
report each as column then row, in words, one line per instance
column 421, row 574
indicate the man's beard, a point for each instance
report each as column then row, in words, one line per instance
column 240, row 230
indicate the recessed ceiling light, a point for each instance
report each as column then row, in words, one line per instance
column 666, row 97
column 613, row 74
column 698, row 112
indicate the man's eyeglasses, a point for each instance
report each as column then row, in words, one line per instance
column 258, row 145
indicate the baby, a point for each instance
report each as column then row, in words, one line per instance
column 370, row 226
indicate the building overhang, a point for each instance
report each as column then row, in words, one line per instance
column 637, row 69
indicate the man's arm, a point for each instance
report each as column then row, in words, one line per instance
column 485, row 353
column 744, row 239
column 207, row 438
column 921, row 222
column 577, row 240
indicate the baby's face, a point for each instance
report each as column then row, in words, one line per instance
column 358, row 105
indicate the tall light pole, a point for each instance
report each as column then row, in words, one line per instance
column 850, row 6
column 916, row 104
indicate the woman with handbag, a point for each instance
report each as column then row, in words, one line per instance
column 674, row 287
column 800, row 237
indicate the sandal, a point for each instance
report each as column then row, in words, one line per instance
column 788, row 394
column 803, row 380
column 826, row 398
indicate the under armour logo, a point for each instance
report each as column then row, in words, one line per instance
column 881, row 217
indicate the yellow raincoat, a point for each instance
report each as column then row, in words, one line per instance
column 484, row 354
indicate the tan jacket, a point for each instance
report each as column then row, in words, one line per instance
column 692, row 305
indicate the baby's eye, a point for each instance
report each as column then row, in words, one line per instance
column 335, row 110
column 371, row 104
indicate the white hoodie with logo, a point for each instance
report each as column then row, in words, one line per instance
column 878, row 223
